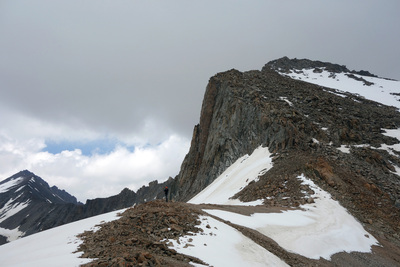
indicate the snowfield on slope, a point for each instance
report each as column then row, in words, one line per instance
column 318, row 230
column 221, row 245
column 53, row 247
column 383, row 91
column 235, row 178
column 13, row 182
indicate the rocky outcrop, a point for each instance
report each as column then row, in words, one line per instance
column 287, row 65
column 139, row 236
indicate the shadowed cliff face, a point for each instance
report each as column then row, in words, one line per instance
column 242, row 111
column 233, row 118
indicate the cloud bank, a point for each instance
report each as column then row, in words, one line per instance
column 96, row 175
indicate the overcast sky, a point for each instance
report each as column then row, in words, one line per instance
column 100, row 95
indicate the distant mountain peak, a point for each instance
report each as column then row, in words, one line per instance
column 29, row 205
column 24, row 195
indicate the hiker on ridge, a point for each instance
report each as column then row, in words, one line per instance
column 166, row 193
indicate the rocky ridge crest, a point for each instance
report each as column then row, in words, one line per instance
column 287, row 65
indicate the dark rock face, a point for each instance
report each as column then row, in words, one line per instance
column 64, row 195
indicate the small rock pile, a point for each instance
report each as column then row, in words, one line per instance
column 139, row 237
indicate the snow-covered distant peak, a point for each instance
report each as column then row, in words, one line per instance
column 25, row 194
column 381, row 90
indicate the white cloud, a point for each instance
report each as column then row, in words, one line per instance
column 97, row 175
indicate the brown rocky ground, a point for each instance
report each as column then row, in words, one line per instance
column 138, row 239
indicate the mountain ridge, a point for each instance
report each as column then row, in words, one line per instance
column 278, row 128
column 29, row 205
column 341, row 141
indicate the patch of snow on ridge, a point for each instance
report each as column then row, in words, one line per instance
column 286, row 100
column 235, row 178
column 221, row 245
column 344, row 149
column 318, row 230
column 395, row 133
column 12, row 234
column 9, row 209
column 392, row 133
column 4, row 187
column 387, row 90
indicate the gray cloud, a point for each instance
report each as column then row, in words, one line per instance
column 110, row 66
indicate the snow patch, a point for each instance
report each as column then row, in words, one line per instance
column 222, row 245
column 9, row 209
column 284, row 98
column 344, row 149
column 318, row 230
column 7, row 185
column 11, row 234
column 53, row 247
column 388, row 90
column 245, row 170
column 392, row 133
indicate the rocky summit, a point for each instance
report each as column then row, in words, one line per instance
column 242, row 110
